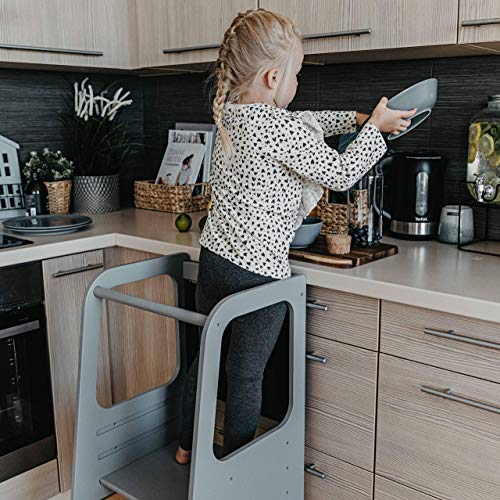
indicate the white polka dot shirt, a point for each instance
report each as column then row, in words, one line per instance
column 256, row 194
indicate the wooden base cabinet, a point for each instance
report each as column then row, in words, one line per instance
column 386, row 489
column 341, row 400
column 138, row 350
column 39, row 483
column 327, row 478
column 438, row 431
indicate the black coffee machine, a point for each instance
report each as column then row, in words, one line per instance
column 414, row 193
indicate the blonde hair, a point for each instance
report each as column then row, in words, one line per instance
column 256, row 41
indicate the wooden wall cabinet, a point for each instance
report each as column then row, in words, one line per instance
column 189, row 29
column 78, row 33
column 479, row 21
column 359, row 25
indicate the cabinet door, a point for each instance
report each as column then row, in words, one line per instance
column 479, row 21
column 341, row 400
column 353, row 25
column 183, row 26
column 390, row 490
column 48, row 32
column 65, row 281
column 142, row 345
column 329, row 478
column 438, row 431
column 116, row 34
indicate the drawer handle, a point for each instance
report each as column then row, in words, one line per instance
column 314, row 304
column 480, row 22
column 338, row 34
column 312, row 356
column 311, row 469
column 448, row 394
column 450, row 334
column 191, row 49
column 32, row 48
column 83, row 269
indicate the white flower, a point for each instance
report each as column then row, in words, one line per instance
column 33, row 153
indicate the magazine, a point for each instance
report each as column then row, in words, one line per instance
column 183, row 158
column 206, row 133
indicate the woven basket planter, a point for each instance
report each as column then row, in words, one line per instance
column 96, row 194
column 336, row 216
column 59, row 196
column 173, row 199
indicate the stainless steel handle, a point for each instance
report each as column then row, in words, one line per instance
column 311, row 469
column 333, row 34
column 312, row 356
column 481, row 22
column 83, row 269
column 448, row 394
column 32, row 48
column 314, row 304
column 338, row 34
column 191, row 49
column 16, row 330
column 450, row 334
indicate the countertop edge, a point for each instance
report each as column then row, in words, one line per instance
column 438, row 301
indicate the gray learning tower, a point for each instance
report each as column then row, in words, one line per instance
column 130, row 447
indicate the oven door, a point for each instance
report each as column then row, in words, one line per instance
column 26, row 416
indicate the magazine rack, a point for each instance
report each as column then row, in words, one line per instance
column 130, row 447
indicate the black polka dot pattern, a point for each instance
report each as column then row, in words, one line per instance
column 256, row 193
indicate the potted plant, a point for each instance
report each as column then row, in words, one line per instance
column 55, row 171
column 99, row 144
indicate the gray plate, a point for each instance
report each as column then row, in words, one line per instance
column 423, row 96
column 47, row 224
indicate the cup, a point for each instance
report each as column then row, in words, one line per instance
column 448, row 224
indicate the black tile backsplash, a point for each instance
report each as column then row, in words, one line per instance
column 30, row 100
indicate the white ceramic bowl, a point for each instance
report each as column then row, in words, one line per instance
column 422, row 95
column 307, row 232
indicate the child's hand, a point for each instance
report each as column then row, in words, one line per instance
column 390, row 120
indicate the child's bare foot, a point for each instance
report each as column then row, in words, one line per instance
column 182, row 457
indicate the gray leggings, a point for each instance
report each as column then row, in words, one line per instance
column 253, row 337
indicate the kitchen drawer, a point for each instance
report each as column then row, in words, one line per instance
column 327, row 478
column 445, row 444
column 341, row 401
column 385, row 489
column 448, row 341
column 352, row 319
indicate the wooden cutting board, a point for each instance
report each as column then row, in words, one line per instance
column 318, row 254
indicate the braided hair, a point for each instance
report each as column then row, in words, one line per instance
column 255, row 41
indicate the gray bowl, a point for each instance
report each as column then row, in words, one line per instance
column 422, row 95
column 307, row 233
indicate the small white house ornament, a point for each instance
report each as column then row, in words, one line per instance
column 11, row 193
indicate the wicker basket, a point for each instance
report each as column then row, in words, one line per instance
column 59, row 196
column 173, row 199
column 336, row 217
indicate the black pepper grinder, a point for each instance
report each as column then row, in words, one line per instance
column 36, row 196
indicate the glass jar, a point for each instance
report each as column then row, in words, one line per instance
column 483, row 162
column 365, row 210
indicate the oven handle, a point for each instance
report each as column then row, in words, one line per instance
column 16, row 330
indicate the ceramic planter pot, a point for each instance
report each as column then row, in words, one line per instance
column 96, row 194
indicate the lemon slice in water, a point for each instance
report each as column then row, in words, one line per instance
column 486, row 145
column 474, row 133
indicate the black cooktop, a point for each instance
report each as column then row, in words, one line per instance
column 6, row 241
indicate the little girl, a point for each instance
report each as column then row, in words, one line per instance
column 264, row 158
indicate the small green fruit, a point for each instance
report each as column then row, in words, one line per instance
column 183, row 223
column 201, row 223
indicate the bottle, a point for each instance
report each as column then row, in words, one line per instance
column 483, row 163
column 36, row 196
